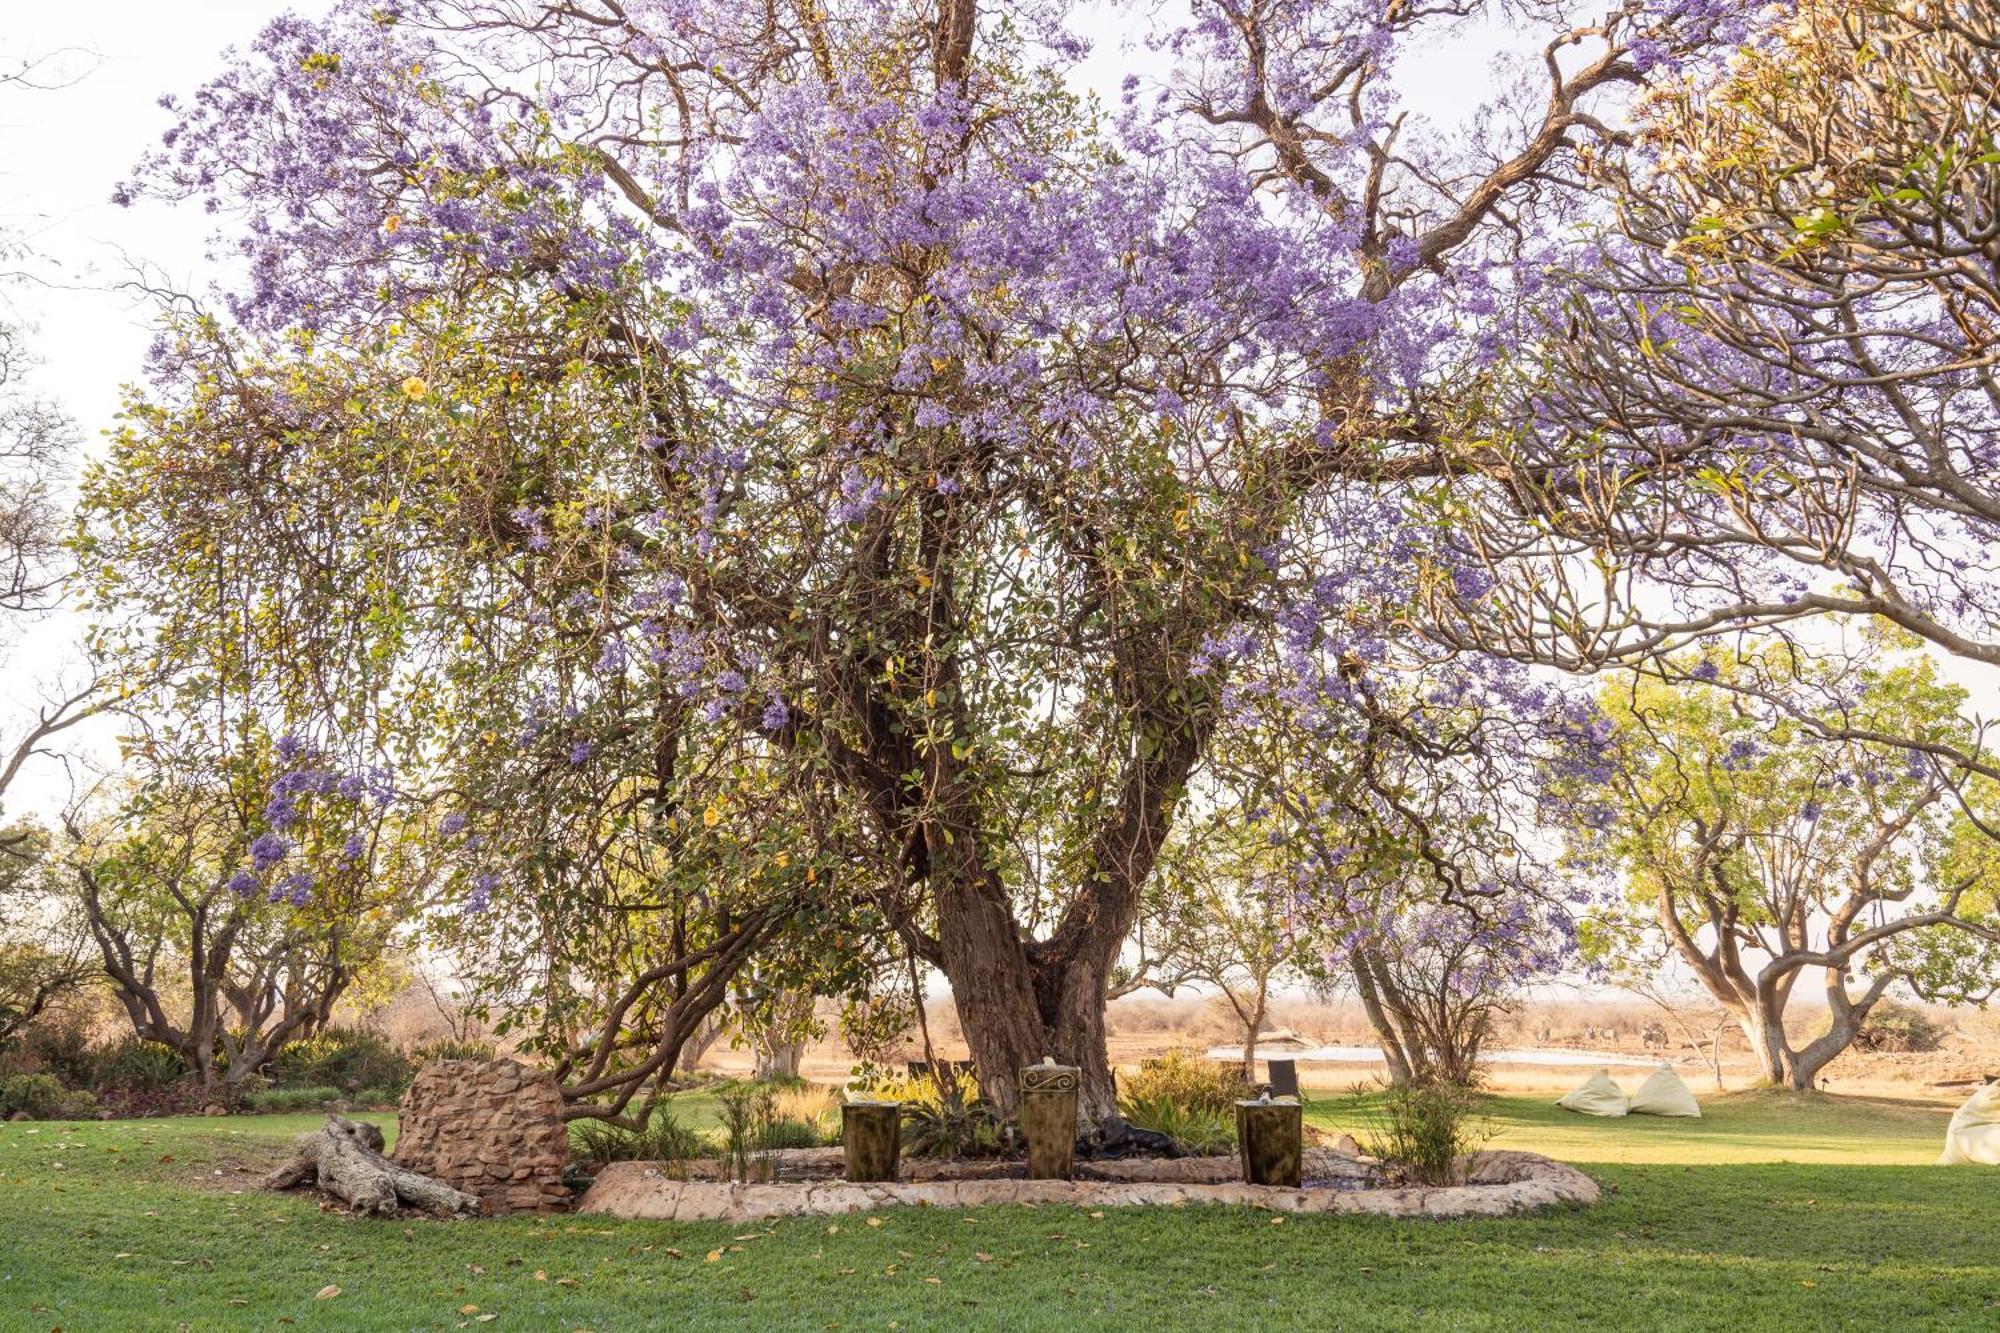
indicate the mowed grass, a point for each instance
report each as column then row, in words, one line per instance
column 1774, row 1212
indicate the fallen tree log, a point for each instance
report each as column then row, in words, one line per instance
column 345, row 1159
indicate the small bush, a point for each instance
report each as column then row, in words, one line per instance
column 664, row 1139
column 1195, row 1130
column 271, row 1101
column 346, row 1058
column 58, row 1044
column 1188, row 1080
column 1424, row 1129
column 37, row 1096
column 1898, row 1028
column 138, row 1065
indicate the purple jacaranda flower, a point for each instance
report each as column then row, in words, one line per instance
column 268, row 850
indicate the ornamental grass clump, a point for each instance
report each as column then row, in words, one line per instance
column 1195, row 1130
column 943, row 1119
column 664, row 1138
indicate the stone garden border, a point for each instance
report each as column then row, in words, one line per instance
column 1497, row 1184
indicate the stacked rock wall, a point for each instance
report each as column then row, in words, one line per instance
column 492, row 1128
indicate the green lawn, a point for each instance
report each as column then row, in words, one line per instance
column 1770, row 1213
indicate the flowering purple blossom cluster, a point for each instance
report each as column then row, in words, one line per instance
column 313, row 806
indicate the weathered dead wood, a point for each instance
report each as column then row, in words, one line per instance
column 345, row 1159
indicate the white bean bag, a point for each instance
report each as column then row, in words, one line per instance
column 1596, row 1095
column 1973, row 1137
column 1663, row 1093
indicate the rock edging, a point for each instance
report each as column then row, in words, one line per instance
column 1497, row 1184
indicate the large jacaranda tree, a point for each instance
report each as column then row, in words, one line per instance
column 817, row 429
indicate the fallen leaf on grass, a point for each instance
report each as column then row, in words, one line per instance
column 712, row 1256
column 541, row 1275
column 326, row 1293
column 982, row 1256
column 874, row 1221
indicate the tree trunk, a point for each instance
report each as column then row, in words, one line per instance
column 345, row 1159
column 779, row 1059
column 1765, row 1032
column 1253, row 1023
column 1403, row 1059
column 1016, row 1009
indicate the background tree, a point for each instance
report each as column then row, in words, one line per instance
column 232, row 902
column 1220, row 914
column 1765, row 853
column 42, row 958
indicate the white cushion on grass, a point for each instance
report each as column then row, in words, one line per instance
column 1663, row 1093
column 1973, row 1137
column 1596, row 1095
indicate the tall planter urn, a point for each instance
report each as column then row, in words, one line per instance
column 1048, row 1118
column 871, row 1138
column 1269, row 1136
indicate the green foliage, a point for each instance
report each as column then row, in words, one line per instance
column 282, row 1100
column 664, row 1139
column 949, row 1121
column 1186, row 1096
column 38, row 1096
column 346, row 1058
column 786, row 1132
column 1425, row 1130
column 132, row 1062
column 1194, row 1129
column 1185, row 1079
